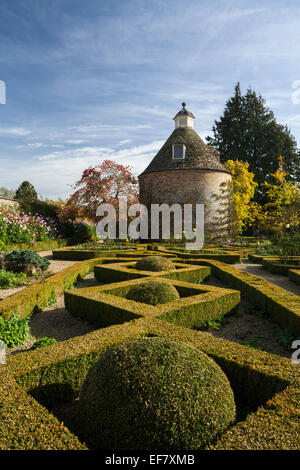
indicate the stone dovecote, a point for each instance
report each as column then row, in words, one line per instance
column 187, row 170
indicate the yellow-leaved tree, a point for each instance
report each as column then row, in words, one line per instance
column 244, row 211
column 283, row 206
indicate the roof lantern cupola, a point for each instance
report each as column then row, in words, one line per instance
column 184, row 118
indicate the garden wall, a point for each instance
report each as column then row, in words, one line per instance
column 7, row 203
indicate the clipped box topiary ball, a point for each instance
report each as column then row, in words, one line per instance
column 153, row 293
column 154, row 394
column 154, row 263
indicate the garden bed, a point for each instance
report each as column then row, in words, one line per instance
column 224, row 256
column 77, row 254
column 55, row 380
column 116, row 272
column 278, row 265
column 294, row 275
column 38, row 246
column 106, row 305
column 282, row 305
column 54, row 321
column 265, row 385
column 251, row 326
column 55, row 267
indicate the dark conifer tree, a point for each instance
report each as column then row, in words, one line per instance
column 26, row 192
column 248, row 131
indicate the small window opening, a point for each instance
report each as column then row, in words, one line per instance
column 178, row 151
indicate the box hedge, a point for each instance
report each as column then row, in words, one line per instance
column 73, row 254
column 225, row 257
column 268, row 384
column 106, row 305
column 294, row 275
column 125, row 271
column 39, row 246
column 281, row 305
column 37, row 296
column 276, row 266
column 174, row 379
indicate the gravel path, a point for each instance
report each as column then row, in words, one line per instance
column 56, row 265
column 281, row 281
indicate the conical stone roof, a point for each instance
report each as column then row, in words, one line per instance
column 184, row 112
column 198, row 156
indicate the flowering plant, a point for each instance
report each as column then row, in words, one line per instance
column 17, row 227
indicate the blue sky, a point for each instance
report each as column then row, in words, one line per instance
column 95, row 79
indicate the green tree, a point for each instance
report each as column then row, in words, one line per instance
column 283, row 206
column 243, row 187
column 26, row 192
column 248, row 131
column 9, row 193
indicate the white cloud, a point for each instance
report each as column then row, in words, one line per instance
column 75, row 141
column 293, row 121
column 94, row 154
column 14, row 131
column 109, row 112
column 36, row 145
column 83, row 152
column 53, row 174
column 108, row 127
column 123, row 142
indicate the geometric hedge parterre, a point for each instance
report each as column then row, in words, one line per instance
column 266, row 384
column 294, row 275
column 276, row 266
column 106, row 305
column 125, row 271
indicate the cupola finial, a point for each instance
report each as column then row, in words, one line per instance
column 184, row 118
